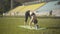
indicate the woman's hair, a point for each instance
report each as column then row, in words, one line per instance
column 32, row 14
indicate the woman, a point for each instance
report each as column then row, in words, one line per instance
column 33, row 20
column 27, row 14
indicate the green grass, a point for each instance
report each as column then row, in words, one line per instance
column 10, row 26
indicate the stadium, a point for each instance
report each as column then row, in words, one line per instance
column 48, row 15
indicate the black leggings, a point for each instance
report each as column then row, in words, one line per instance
column 26, row 17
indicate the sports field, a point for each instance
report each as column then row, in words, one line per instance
column 9, row 25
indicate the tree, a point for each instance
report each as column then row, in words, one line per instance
column 4, row 5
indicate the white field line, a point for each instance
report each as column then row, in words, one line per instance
column 30, row 27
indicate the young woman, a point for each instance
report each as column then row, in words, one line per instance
column 33, row 20
column 27, row 14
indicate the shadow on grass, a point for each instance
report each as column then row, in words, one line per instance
column 53, row 27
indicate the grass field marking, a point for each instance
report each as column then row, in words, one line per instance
column 30, row 27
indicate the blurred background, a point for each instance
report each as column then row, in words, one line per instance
column 19, row 7
column 12, row 16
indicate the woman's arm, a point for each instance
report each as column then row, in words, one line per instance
column 30, row 22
